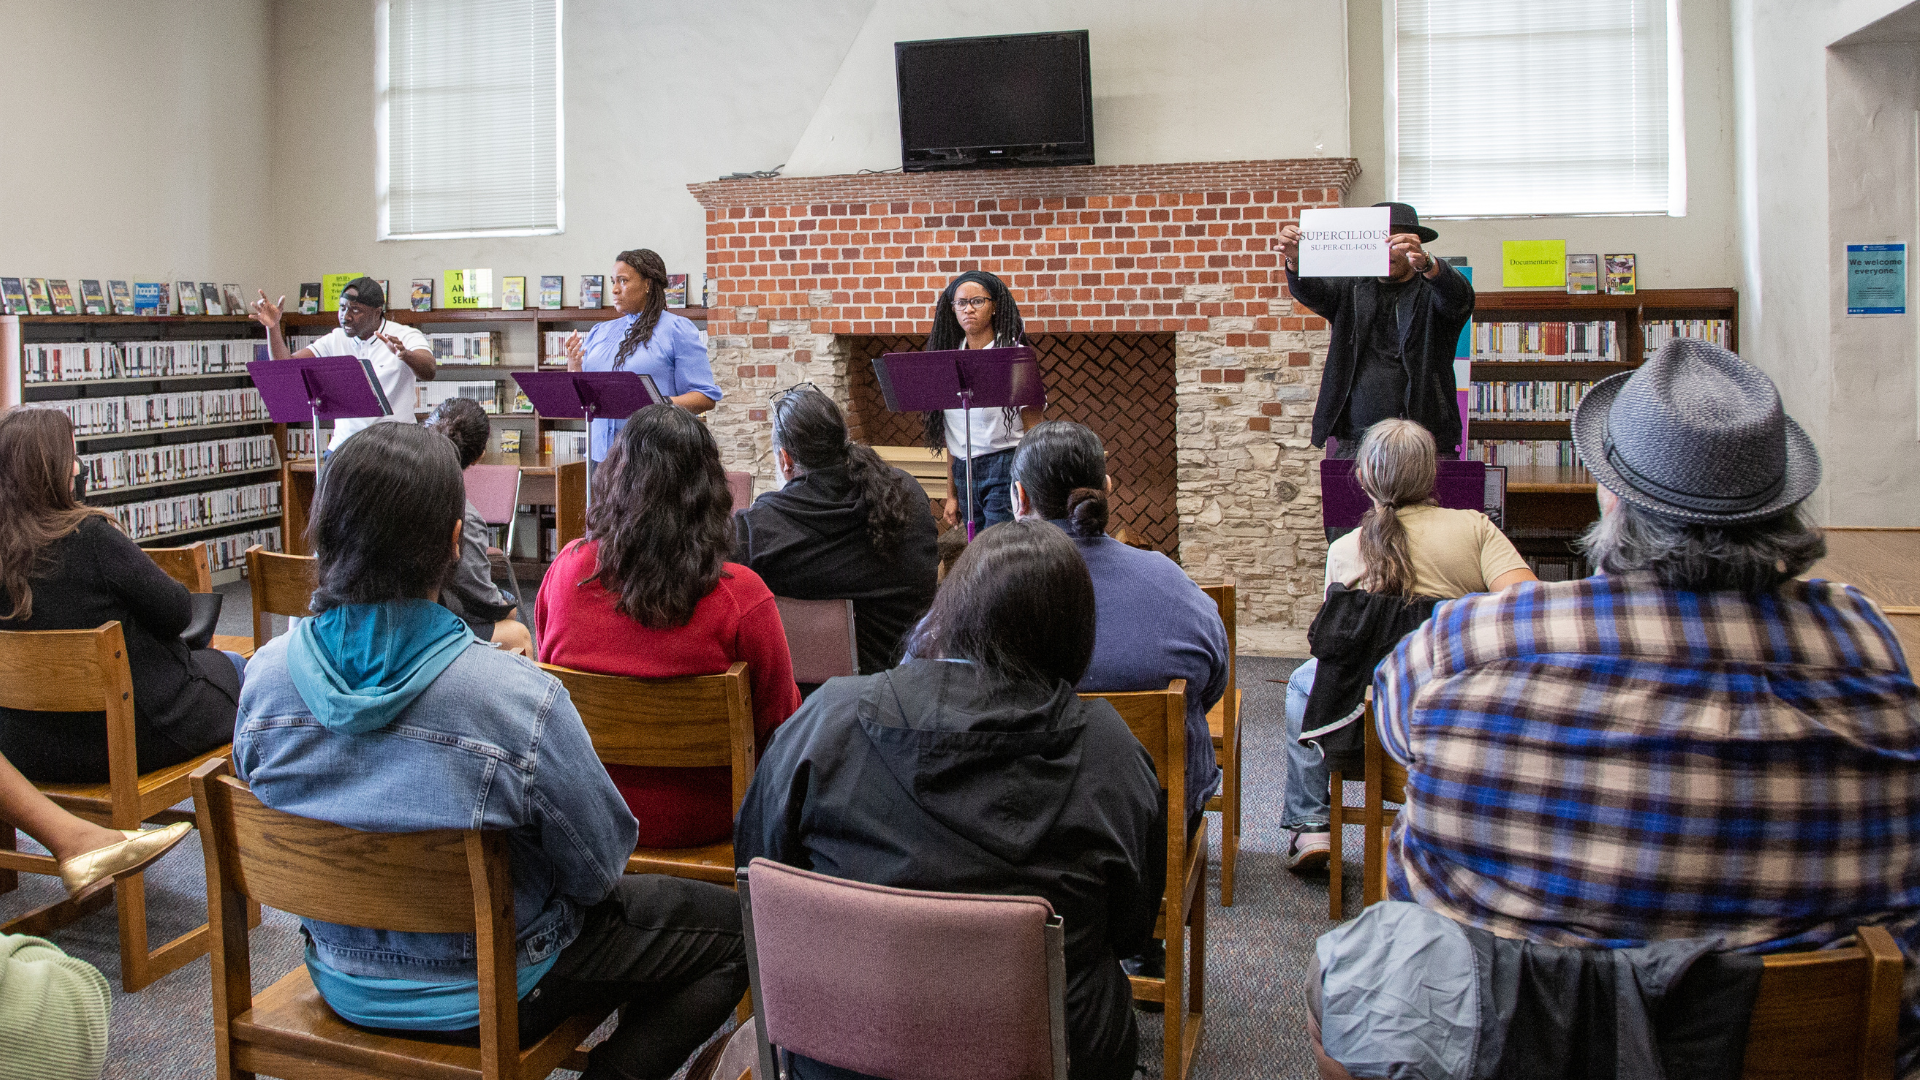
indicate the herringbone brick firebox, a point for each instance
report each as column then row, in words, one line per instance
column 1153, row 293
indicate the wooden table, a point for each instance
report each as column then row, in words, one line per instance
column 1884, row 564
column 545, row 480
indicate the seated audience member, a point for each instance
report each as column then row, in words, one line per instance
column 384, row 713
column 469, row 591
column 843, row 526
column 1690, row 744
column 1154, row 623
column 649, row 593
column 1406, row 545
column 976, row 768
column 67, row 566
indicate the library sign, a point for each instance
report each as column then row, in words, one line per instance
column 1345, row 242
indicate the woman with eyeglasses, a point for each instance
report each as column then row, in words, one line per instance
column 976, row 311
column 844, row 525
column 646, row 338
column 649, row 593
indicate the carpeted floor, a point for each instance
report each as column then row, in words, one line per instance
column 1257, row 950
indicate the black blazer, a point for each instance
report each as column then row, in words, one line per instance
column 184, row 699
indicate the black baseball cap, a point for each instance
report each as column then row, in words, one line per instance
column 366, row 291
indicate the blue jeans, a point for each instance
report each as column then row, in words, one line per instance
column 239, row 665
column 1309, row 802
column 992, row 487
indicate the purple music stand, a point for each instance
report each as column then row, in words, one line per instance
column 314, row 388
column 1457, row 485
column 589, row 396
column 962, row 378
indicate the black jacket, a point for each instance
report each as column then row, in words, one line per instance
column 184, row 699
column 808, row 541
column 1353, row 632
column 938, row 776
column 1431, row 315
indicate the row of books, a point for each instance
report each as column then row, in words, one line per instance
column 54, row 296
column 160, row 412
column 226, row 552
column 1526, row 400
column 564, row 444
column 1558, row 567
column 488, row 394
column 91, row 361
column 185, row 461
column 553, row 347
column 1533, row 452
column 1530, row 342
column 204, row 510
column 482, row 348
column 472, row 289
column 1661, row 331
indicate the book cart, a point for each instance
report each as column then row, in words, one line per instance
column 178, row 447
column 1549, row 506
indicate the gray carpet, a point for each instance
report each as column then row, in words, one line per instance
column 1256, row 956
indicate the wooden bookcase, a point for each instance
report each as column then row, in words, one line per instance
column 19, row 331
column 1548, row 505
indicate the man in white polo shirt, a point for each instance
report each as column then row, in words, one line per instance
column 399, row 353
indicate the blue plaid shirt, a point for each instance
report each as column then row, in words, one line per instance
column 1606, row 762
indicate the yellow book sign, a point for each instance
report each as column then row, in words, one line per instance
column 330, row 286
column 469, row 289
column 1526, row 264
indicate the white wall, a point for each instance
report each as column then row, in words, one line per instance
column 1204, row 80
column 136, row 139
column 1694, row 251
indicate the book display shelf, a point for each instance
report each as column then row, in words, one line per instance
column 1534, row 352
column 173, row 438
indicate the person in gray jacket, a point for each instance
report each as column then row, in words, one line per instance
column 469, row 591
column 384, row 713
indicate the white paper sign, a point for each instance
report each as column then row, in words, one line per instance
column 1345, row 243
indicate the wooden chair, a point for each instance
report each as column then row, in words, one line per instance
column 187, row 565
column 1386, row 782
column 1223, row 723
column 446, row 881
column 282, row 585
column 86, row 671
column 1158, row 718
column 1833, row 1013
column 569, row 503
column 702, row 721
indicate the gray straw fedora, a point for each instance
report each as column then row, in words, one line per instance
column 1696, row 434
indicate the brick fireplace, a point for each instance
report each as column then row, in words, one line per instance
column 1156, row 285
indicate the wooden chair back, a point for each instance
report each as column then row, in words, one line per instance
column 282, row 585
column 187, row 565
column 569, row 503
column 1832, row 1013
column 1223, row 724
column 444, row 881
column 1386, row 782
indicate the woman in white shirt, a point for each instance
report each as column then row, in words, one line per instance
column 976, row 311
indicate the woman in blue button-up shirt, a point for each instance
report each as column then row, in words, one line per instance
column 648, row 339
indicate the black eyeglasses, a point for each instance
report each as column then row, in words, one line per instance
column 797, row 388
column 966, row 303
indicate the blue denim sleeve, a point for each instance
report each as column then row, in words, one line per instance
column 585, row 826
column 1395, row 681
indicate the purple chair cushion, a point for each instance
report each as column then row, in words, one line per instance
column 494, row 490
column 819, row 638
column 740, row 486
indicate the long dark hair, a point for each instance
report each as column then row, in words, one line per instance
column 1396, row 468
column 808, row 425
column 650, row 266
column 1018, row 602
column 663, row 517
column 383, row 516
column 1008, row 329
column 37, row 504
column 465, row 422
column 1062, row 467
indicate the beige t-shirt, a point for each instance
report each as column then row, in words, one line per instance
column 1455, row 552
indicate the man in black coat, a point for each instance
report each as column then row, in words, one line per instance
column 1393, row 338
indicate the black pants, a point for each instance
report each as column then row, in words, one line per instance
column 671, row 949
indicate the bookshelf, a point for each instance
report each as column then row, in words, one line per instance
column 179, row 450
column 1549, row 504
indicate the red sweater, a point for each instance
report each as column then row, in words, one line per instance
column 738, row 620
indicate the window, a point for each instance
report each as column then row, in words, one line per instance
column 468, row 118
column 1504, row 109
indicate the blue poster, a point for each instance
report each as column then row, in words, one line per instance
column 1876, row 279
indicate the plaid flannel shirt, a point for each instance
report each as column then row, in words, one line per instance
column 1606, row 762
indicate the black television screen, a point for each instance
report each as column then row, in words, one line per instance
column 1018, row 99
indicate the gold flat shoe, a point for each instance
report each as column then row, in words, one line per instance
column 136, row 852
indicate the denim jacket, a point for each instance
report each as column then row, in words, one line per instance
column 492, row 743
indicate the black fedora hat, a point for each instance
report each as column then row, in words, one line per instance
column 1696, row 434
column 1405, row 218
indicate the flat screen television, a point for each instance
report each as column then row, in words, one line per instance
column 991, row 102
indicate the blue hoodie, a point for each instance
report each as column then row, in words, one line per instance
column 358, row 666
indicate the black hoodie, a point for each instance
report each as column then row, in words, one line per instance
column 809, row 541
column 937, row 776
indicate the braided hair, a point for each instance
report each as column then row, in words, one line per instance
column 1008, row 329
column 653, row 269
